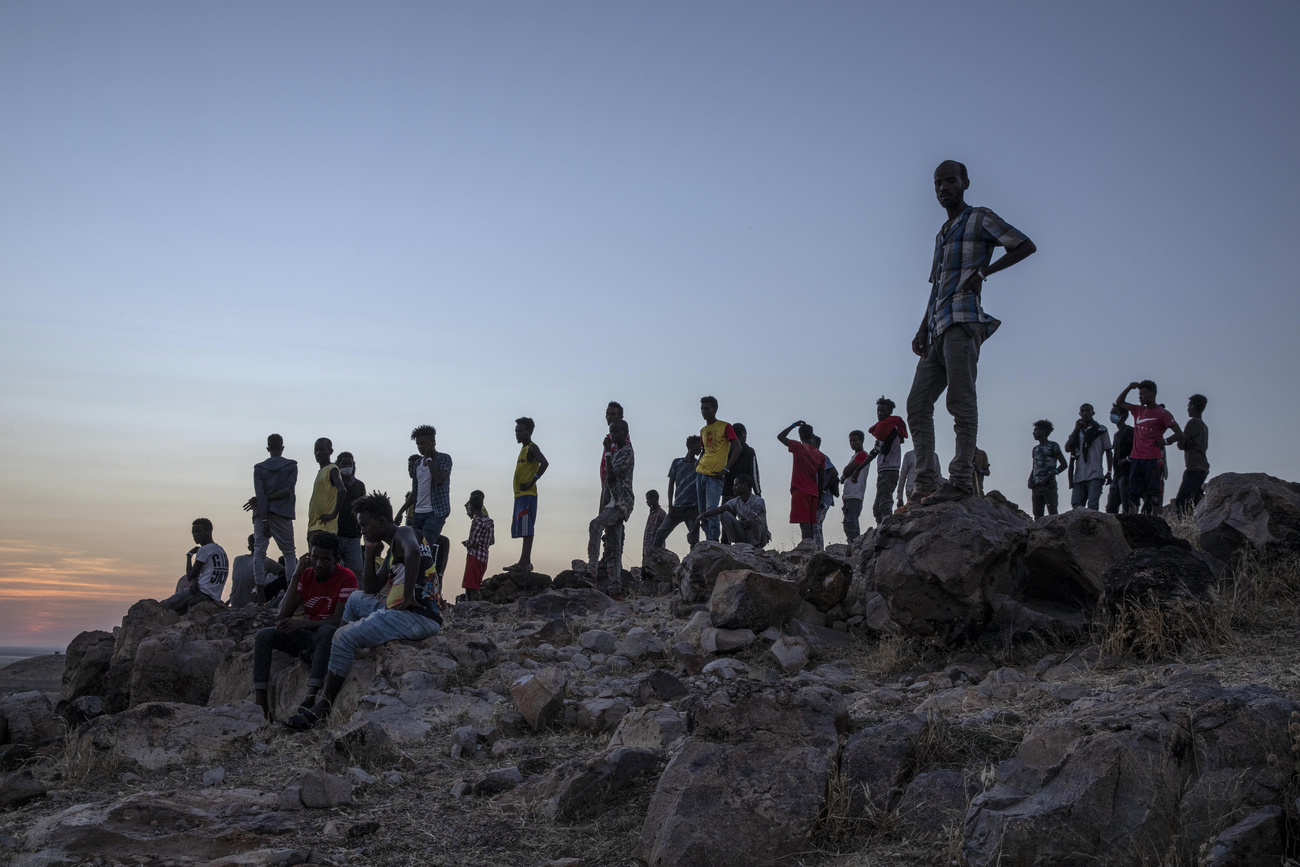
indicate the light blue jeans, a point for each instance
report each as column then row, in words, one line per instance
column 380, row 626
column 282, row 532
column 708, row 494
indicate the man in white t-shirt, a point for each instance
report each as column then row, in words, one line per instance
column 206, row 568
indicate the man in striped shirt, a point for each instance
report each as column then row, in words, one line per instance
column 955, row 325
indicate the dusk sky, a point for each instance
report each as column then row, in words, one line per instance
column 342, row 219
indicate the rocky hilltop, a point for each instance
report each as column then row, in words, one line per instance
column 960, row 685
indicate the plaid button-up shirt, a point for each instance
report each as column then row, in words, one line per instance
column 962, row 246
column 482, row 534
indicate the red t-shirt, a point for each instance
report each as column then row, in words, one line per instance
column 1149, row 426
column 320, row 599
column 808, row 461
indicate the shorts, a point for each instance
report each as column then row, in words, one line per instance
column 803, row 507
column 1144, row 478
column 474, row 571
column 525, row 517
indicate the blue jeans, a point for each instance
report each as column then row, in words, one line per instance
column 282, row 532
column 708, row 494
column 1086, row 493
column 852, row 512
column 352, row 554
column 379, row 627
column 430, row 526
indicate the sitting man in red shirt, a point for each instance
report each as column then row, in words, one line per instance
column 806, row 481
column 1150, row 421
column 322, row 589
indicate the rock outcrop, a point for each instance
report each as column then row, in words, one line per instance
column 1067, row 556
column 699, row 571
column 1249, row 512
column 162, row 735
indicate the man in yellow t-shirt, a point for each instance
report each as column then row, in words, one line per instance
column 528, row 469
column 721, row 448
column 327, row 492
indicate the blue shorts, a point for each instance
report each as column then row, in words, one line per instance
column 525, row 517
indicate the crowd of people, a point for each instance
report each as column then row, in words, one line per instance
column 373, row 575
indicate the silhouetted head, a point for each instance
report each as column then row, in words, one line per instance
column 474, row 505
column 951, row 183
column 1043, row 429
column 856, row 439
column 618, row 432
column 884, row 408
column 693, row 445
column 1196, row 405
column 652, row 499
column 323, row 449
column 201, row 530
column 252, row 541
column 742, row 433
column 275, row 444
column 806, row 433
column 1085, row 412
column 374, row 512
column 743, row 485
column 524, row 429
column 1147, row 392
column 347, row 465
column 613, row 412
column 426, row 440
column 709, row 408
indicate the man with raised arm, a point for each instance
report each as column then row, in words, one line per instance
column 805, row 477
column 953, row 329
column 1146, row 461
column 272, row 505
column 405, row 610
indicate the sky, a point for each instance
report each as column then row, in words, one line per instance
column 223, row 220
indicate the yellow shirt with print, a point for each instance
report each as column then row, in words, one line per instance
column 526, row 473
column 717, row 448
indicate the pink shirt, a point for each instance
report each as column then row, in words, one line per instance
column 1149, row 426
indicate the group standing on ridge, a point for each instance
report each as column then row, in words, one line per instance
column 372, row 576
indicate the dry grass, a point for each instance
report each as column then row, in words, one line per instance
column 1154, row 630
column 82, row 764
column 1263, row 592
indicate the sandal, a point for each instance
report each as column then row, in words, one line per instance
column 303, row 720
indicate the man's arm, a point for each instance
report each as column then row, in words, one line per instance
column 341, row 493
column 1060, row 459
column 440, row 475
column 1015, row 254
column 732, row 454
column 784, row 436
column 372, row 577
column 1122, row 400
column 672, row 484
column 1178, row 434
column 758, row 489
column 534, row 454
column 725, row 507
column 289, row 605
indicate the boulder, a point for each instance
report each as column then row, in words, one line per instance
column 1133, row 776
column 747, row 786
column 581, row 785
column 554, row 632
column 745, row 599
column 714, row 640
column 1149, row 531
column 1163, row 575
column 789, row 654
column 937, row 566
column 661, row 686
column 30, row 718
column 877, row 762
column 506, row 587
column 818, row 638
column 1249, row 512
column 1067, row 555
column 19, row 787
column 540, row 696
column 650, row 728
column 498, row 780
column 1022, row 619
column 699, row 571
column 319, row 790
column 659, row 566
column 598, row 641
column 826, row 581
column 602, row 714
column 168, row 667
column 161, row 735
column 936, row 799
column 563, row 603
column 143, row 619
column 85, row 668
column 638, row 644
column 1257, row 839
column 190, row 826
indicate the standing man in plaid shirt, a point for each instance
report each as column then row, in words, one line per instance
column 955, row 325
column 482, row 535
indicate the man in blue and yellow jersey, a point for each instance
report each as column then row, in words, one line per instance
column 721, row 450
column 528, row 469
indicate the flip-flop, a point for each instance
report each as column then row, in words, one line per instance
column 301, row 721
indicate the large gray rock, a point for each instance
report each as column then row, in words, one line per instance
column 190, row 826
column 540, row 696
column 144, row 619
column 650, row 728
column 319, row 790
column 878, row 761
column 1133, row 777
column 936, row 799
column 826, row 581
column 581, row 785
column 938, row 566
column 563, row 603
column 1067, row 556
column 19, row 787
column 748, row 785
column 1260, row 838
column 85, row 669
column 1160, row 576
column 745, row 599
column 162, row 735
column 699, row 571
column 1249, row 512
column 30, row 718
column 659, row 566
column 506, row 587
column 168, row 667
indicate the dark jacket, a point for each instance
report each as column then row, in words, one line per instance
column 273, row 476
